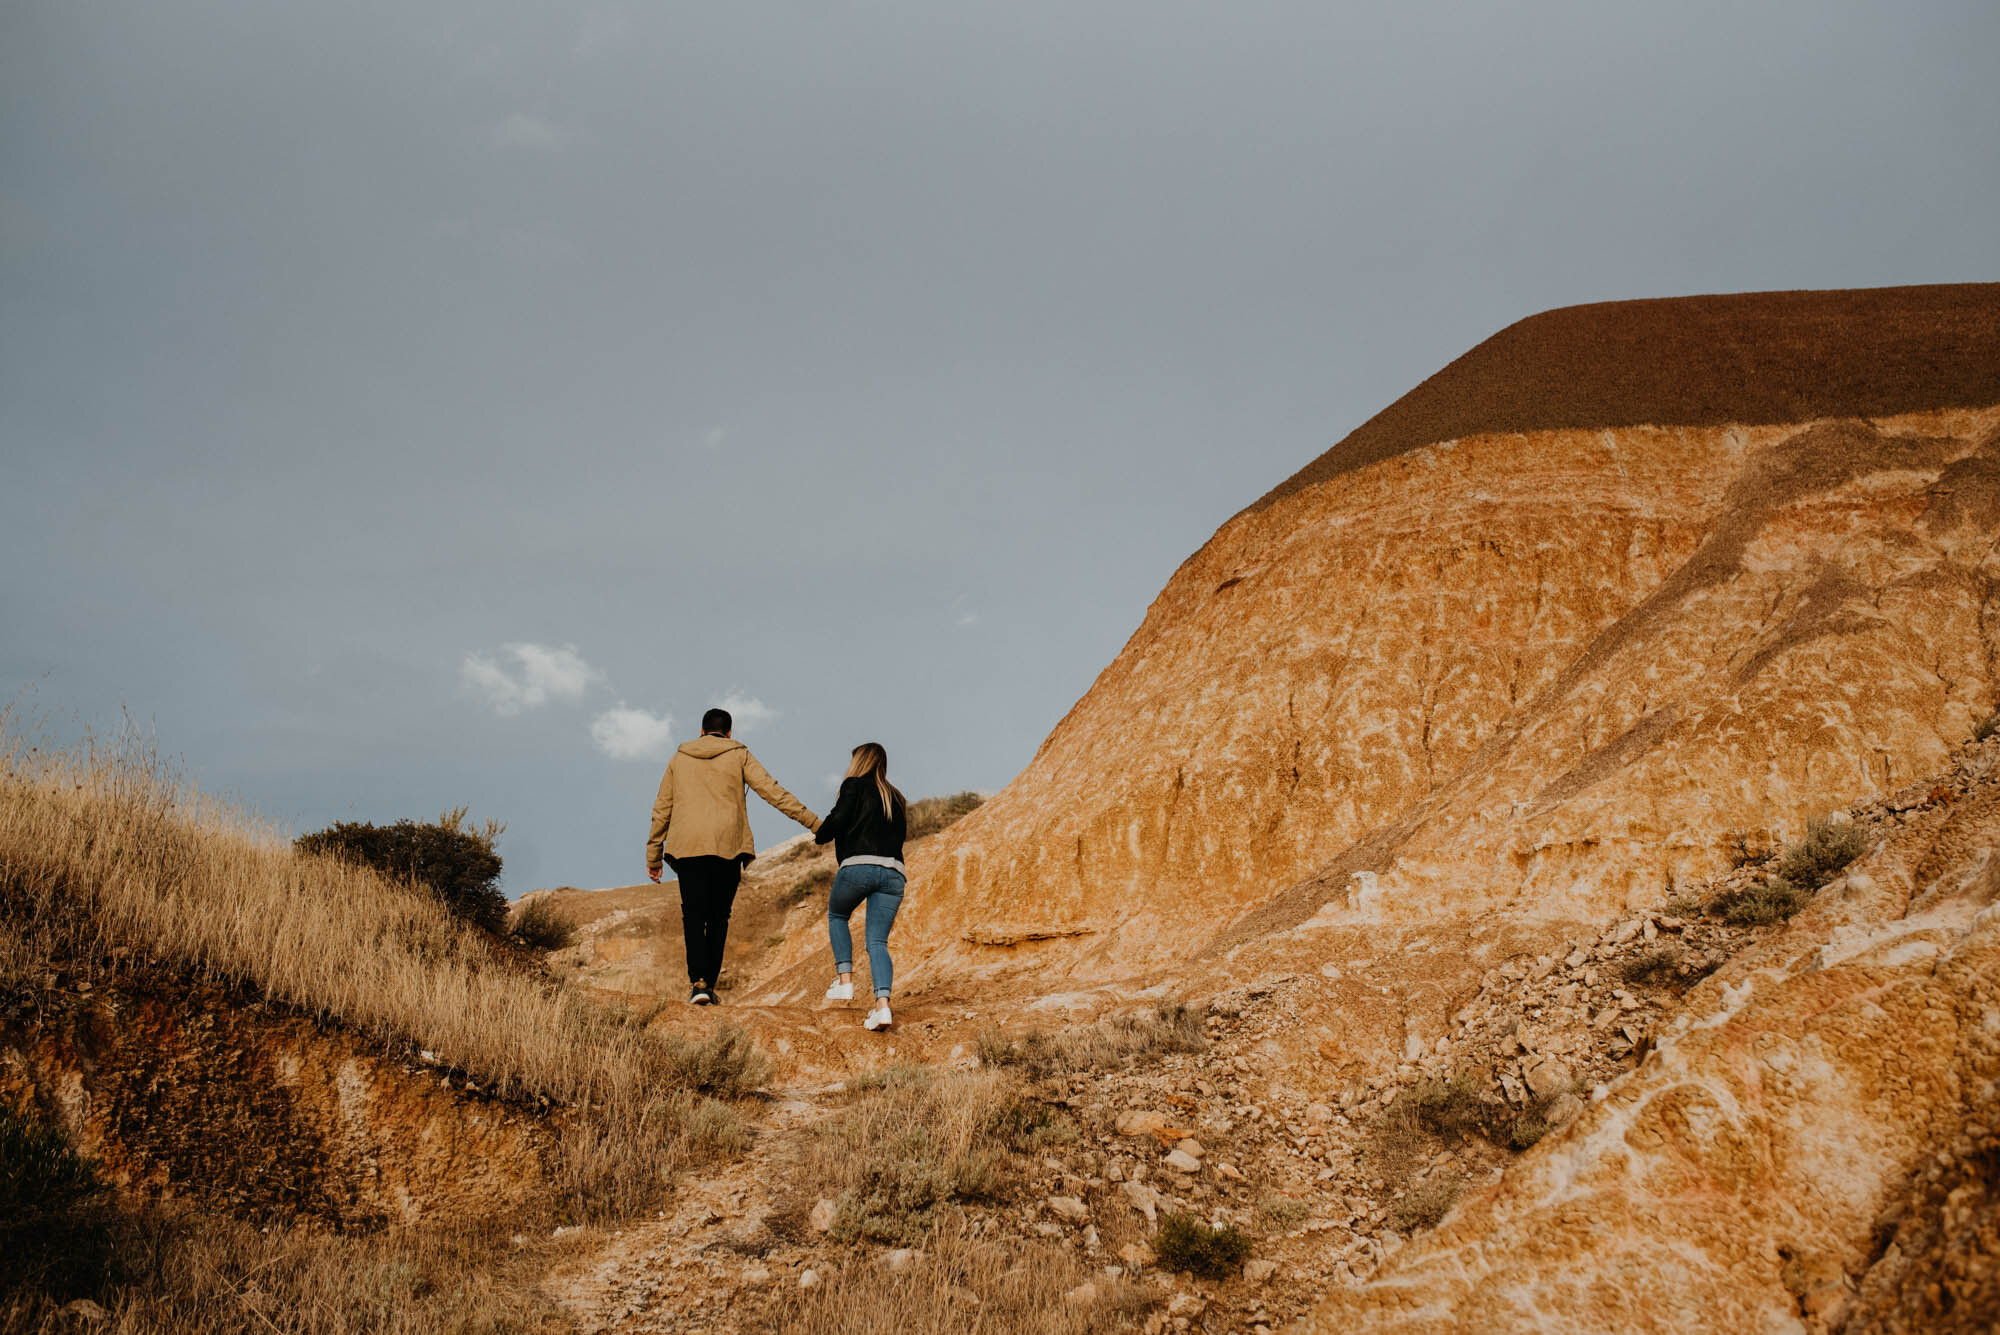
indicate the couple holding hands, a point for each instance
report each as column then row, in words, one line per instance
column 701, row 829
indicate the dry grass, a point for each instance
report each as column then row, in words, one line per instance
column 103, row 853
column 222, row 1276
column 932, row 815
column 1120, row 1041
column 910, row 1142
column 540, row 925
column 964, row 1286
column 1425, row 1204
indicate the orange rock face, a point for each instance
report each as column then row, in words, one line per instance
column 1547, row 670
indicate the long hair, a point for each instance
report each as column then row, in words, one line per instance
column 871, row 761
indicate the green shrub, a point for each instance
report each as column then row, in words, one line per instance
column 540, row 925
column 1683, row 905
column 53, row 1234
column 448, row 855
column 1819, row 857
column 1206, row 1251
column 930, row 815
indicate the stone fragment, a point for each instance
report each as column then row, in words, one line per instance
column 1138, row 1122
column 902, row 1260
column 1136, row 1254
column 1259, row 1271
column 809, row 1279
column 1548, row 1078
column 1143, row 1199
column 1189, row 1145
column 821, row 1217
column 1626, row 931
column 1183, row 1162
column 1083, row 1295
column 1069, row 1207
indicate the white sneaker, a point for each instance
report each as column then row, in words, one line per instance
column 840, row 992
column 879, row 1018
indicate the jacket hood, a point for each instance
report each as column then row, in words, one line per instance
column 708, row 747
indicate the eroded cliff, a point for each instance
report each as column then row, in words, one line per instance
column 1683, row 573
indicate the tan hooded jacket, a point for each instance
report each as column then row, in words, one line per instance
column 700, row 811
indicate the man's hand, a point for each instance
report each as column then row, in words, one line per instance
column 653, row 875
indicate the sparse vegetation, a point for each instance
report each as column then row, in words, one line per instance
column 932, row 815
column 53, row 1231
column 909, row 1143
column 104, row 855
column 965, row 1284
column 1760, row 903
column 1986, row 727
column 1120, row 1041
column 1825, row 851
column 1452, row 1108
column 1283, row 1212
column 1208, row 1251
column 450, row 856
column 1684, row 905
column 815, row 882
column 540, row 925
column 1653, row 968
column 1030, row 1127
column 1425, row 1204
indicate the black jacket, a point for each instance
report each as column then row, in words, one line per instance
column 858, row 826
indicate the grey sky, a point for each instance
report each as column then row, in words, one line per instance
column 874, row 362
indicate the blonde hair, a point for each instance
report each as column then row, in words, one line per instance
column 871, row 761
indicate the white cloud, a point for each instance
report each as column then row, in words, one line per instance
column 625, row 733
column 747, row 711
column 523, row 131
column 538, row 675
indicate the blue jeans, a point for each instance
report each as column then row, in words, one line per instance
column 881, row 888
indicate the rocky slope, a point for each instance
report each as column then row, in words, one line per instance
column 1625, row 585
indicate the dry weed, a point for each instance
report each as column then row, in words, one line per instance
column 1119, row 1041
column 961, row 1285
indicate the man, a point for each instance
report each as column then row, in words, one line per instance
column 701, row 828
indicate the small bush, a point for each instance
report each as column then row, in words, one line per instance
column 53, row 1237
column 931, row 815
column 1827, row 848
column 454, row 859
column 1685, row 906
column 1426, row 1204
column 1451, row 1108
column 1761, row 903
column 1283, row 1212
column 1206, row 1251
column 1028, row 1127
column 540, row 925
column 1986, row 727
column 1107, row 1045
column 1654, row 967
column 725, row 1065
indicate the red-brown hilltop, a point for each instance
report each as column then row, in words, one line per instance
column 1620, row 585
column 1752, row 357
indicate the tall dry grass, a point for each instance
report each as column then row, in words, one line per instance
column 105, row 852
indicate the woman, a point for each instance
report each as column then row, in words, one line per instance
column 866, row 827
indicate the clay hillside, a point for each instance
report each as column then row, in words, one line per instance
column 1622, row 589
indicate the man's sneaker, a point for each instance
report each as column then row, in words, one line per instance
column 701, row 996
column 840, row 992
column 879, row 1018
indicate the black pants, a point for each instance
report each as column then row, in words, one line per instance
column 708, row 892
